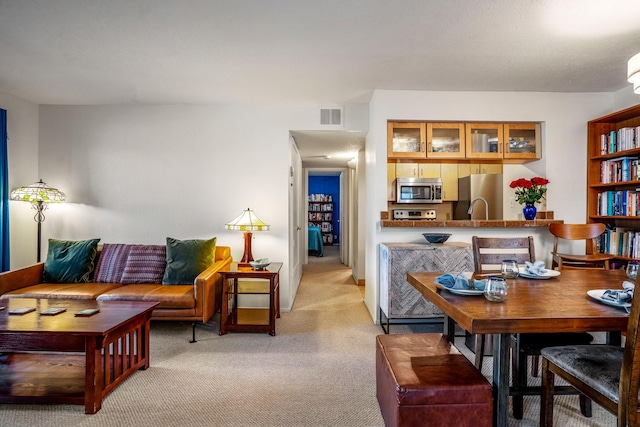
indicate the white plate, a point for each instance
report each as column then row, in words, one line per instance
column 460, row 291
column 597, row 295
column 548, row 275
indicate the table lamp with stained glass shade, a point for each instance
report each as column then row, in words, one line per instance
column 248, row 222
column 39, row 195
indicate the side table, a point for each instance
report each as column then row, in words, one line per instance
column 234, row 318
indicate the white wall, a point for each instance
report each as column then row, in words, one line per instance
column 140, row 173
column 22, row 150
column 565, row 118
column 625, row 98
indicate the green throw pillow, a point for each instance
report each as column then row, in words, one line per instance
column 70, row 261
column 186, row 259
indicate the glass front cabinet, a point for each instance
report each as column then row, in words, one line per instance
column 522, row 140
column 406, row 140
column 445, row 140
column 484, row 140
column 455, row 140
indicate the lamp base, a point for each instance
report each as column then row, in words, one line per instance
column 247, row 256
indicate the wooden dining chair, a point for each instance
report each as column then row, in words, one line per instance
column 587, row 232
column 607, row 374
column 488, row 254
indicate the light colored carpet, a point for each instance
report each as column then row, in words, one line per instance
column 319, row 370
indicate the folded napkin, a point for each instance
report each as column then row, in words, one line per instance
column 460, row 281
column 535, row 268
column 619, row 296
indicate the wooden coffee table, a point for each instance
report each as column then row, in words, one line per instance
column 69, row 359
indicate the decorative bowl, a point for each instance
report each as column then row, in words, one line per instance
column 436, row 237
column 260, row 264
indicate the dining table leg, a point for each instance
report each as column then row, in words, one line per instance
column 501, row 379
column 449, row 329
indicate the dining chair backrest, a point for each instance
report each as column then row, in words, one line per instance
column 628, row 408
column 586, row 232
column 489, row 252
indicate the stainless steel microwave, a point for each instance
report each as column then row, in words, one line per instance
column 419, row 190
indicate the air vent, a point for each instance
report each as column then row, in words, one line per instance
column 331, row 116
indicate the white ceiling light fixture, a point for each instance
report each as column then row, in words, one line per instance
column 633, row 72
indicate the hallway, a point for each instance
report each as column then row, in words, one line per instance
column 327, row 268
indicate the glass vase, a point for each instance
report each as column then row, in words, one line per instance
column 529, row 211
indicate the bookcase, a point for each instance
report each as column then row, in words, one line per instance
column 321, row 215
column 613, row 181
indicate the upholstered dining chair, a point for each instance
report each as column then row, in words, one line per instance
column 488, row 254
column 607, row 374
column 587, row 232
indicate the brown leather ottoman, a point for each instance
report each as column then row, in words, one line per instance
column 422, row 379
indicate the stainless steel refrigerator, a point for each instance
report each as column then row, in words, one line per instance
column 487, row 186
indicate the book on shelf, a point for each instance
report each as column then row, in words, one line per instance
column 626, row 138
column 618, row 203
column 620, row 242
column 622, row 169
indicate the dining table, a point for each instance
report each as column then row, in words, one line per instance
column 561, row 302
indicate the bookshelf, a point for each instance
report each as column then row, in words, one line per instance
column 613, row 181
column 321, row 215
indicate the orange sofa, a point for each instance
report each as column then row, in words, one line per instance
column 195, row 302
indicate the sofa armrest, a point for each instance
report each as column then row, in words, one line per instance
column 223, row 252
column 21, row 278
column 208, row 285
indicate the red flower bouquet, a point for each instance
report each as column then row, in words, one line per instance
column 529, row 190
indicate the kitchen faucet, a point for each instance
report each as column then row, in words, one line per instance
column 486, row 207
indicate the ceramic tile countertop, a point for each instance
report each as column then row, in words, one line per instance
column 469, row 223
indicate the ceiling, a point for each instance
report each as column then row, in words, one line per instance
column 89, row 52
column 328, row 149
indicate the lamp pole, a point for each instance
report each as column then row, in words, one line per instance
column 39, row 206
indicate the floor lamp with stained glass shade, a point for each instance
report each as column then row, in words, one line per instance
column 248, row 222
column 39, row 195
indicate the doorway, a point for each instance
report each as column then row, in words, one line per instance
column 328, row 199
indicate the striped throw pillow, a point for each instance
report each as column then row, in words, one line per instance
column 145, row 264
column 111, row 263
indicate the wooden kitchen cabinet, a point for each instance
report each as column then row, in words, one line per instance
column 449, row 175
column 430, row 141
column 490, row 168
column 406, row 140
column 484, row 140
column 522, row 141
column 391, row 182
column 445, row 140
column 417, row 170
column 407, row 170
column 466, row 169
column 429, row 170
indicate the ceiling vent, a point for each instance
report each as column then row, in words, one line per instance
column 331, row 116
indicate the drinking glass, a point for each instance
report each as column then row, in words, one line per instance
column 495, row 289
column 632, row 269
column 509, row 269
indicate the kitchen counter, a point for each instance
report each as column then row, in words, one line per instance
column 464, row 223
column 457, row 223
